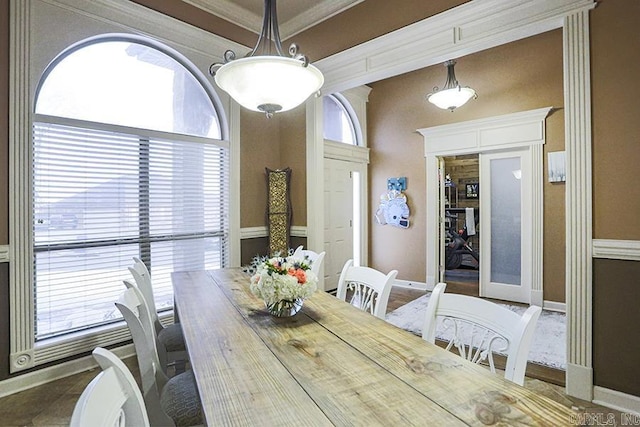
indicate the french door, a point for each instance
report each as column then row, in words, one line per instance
column 506, row 224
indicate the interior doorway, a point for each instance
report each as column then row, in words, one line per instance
column 516, row 135
column 460, row 234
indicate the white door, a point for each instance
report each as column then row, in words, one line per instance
column 339, row 210
column 505, row 224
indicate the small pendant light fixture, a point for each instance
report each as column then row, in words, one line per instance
column 266, row 80
column 452, row 95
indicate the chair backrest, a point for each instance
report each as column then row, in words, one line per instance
column 315, row 258
column 142, row 277
column 479, row 328
column 112, row 398
column 135, row 311
column 370, row 288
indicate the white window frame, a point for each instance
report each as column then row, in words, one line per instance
column 347, row 109
column 40, row 30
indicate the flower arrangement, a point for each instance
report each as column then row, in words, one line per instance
column 283, row 283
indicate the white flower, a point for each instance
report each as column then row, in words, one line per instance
column 283, row 279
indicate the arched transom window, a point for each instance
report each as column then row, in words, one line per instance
column 339, row 124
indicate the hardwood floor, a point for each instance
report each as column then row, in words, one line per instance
column 51, row 404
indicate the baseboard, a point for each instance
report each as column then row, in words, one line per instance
column 52, row 373
column 619, row 401
column 410, row 284
column 555, row 306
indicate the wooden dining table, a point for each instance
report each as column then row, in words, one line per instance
column 333, row 364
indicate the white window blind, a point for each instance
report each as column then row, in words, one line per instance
column 102, row 195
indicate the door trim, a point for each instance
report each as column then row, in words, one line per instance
column 510, row 131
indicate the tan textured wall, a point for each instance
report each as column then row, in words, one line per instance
column 293, row 140
column 508, row 79
column 365, row 21
column 615, row 68
column 259, row 149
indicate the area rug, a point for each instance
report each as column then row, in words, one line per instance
column 549, row 340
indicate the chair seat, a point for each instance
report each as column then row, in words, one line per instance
column 171, row 338
column 179, row 390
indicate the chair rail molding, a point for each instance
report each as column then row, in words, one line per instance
column 628, row 250
column 4, row 253
column 262, row 231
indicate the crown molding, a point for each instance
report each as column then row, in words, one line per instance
column 137, row 19
column 228, row 10
column 231, row 12
column 322, row 11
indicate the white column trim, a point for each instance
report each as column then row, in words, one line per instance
column 315, row 177
column 537, row 222
column 234, row 186
column 21, row 353
column 578, row 193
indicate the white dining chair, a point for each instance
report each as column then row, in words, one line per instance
column 171, row 346
column 369, row 289
column 478, row 328
column 112, row 398
column 169, row 401
column 315, row 258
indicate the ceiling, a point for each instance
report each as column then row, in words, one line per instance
column 294, row 16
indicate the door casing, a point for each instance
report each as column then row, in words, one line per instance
column 510, row 131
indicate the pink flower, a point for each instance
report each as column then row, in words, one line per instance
column 299, row 274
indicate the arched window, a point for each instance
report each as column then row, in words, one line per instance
column 128, row 160
column 339, row 123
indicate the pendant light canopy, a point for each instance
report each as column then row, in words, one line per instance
column 266, row 80
column 452, row 95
